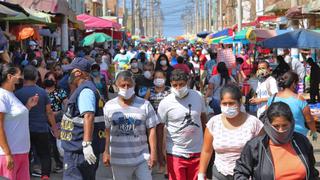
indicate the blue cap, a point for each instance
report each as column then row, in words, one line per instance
column 78, row 63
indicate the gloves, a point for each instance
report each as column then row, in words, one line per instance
column 89, row 155
column 201, row 176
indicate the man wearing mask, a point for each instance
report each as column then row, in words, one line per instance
column 267, row 87
column 82, row 126
column 184, row 114
column 121, row 60
column 130, row 124
column 145, row 81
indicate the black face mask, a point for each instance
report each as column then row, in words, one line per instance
column 48, row 83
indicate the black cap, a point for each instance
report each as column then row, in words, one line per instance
column 78, row 63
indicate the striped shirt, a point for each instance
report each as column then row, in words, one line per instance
column 128, row 125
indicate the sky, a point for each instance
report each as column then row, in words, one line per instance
column 172, row 10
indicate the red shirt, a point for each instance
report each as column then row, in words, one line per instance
column 203, row 61
column 183, row 67
column 246, row 68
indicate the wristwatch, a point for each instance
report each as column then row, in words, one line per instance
column 86, row 143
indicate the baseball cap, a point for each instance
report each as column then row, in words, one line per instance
column 78, row 63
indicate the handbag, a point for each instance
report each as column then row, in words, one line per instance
column 111, row 89
column 264, row 114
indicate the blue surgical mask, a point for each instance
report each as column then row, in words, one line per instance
column 95, row 73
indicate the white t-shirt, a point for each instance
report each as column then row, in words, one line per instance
column 228, row 143
column 128, row 130
column 266, row 89
column 185, row 134
column 16, row 123
column 215, row 80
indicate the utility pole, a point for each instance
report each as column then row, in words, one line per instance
column 295, row 25
column 197, row 16
column 104, row 7
column 132, row 17
column 239, row 15
column 146, row 18
column 137, row 24
column 220, row 14
column 124, row 13
column 152, row 17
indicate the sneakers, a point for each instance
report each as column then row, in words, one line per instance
column 36, row 174
column 45, row 177
column 58, row 169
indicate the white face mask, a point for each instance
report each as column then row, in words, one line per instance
column 147, row 74
column 159, row 82
column 180, row 93
column 229, row 112
column 126, row 93
column 163, row 62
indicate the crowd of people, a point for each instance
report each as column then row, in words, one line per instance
column 174, row 108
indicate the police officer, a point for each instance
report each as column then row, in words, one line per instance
column 82, row 126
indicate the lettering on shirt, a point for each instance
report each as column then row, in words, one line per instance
column 126, row 126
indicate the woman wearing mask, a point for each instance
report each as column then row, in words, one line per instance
column 195, row 81
column 14, row 126
column 163, row 64
column 216, row 83
column 134, row 68
column 288, row 84
column 58, row 98
column 99, row 81
column 155, row 94
column 279, row 154
column 226, row 134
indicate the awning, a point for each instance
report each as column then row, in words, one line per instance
column 258, row 35
column 92, row 22
column 280, row 6
column 312, row 7
column 7, row 11
column 258, row 20
column 217, row 40
column 230, row 40
column 50, row 6
column 34, row 17
column 116, row 35
column 224, row 32
column 243, row 34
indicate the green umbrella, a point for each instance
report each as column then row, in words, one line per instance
column 95, row 38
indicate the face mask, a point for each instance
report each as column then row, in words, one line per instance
column 147, row 74
column 126, row 93
column 196, row 59
column 262, row 74
column 276, row 136
column 95, row 73
column 181, row 93
column 122, row 51
column 163, row 62
column 134, row 65
column 158, row 82
column 48, row 83
column 32, row 47
column 229, row 111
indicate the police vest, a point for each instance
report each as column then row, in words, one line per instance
column 72, row 123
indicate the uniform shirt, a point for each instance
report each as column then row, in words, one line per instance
column 185, row 134
column 16, row 123
column 128, row 126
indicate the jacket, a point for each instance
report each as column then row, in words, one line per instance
column 256, row 161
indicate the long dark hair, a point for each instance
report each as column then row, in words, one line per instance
column 158, row 65
column 223, row 71
column 286, row 80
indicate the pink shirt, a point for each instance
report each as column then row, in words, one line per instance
column 228, row 143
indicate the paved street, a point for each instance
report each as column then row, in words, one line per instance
column 105, row 173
